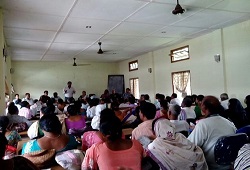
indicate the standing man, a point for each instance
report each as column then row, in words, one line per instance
column 68, row 91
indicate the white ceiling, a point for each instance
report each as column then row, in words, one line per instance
column 55, row 30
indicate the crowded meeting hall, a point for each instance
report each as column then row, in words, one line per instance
column 125, row 85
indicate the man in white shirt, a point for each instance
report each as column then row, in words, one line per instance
column 68, row 91
column 173, row 113
column 28, row 99
column 207, row 131
column 224, row 100
column 174, row 99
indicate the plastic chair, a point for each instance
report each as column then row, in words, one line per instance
column 227, row 147
column 245, row 129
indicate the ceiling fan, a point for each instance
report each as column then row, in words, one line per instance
column 74, row 64
column 178, row 9
column 100, row 51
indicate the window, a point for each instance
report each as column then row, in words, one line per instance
column 181, row 83
column 134, row 87
column 133, row 65
column 179, row 54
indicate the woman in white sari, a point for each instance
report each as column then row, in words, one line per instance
column 173, row 150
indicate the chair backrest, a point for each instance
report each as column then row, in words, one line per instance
column 245, row 129
column 227, row 147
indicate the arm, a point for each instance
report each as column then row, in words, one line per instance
column 89, row 161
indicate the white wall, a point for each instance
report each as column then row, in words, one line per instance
column 207, row 76
column 35, row 77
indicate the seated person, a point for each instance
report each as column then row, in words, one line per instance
column 34, row 131
column 210, row 129
column 25, row 110
column 14, row 117
column 111, row 153
column 173, row 150
column 147, row 114
column 180, row 125
column 52, row 139
column 163, row 111
column 243, row 159
column 74, row 123
column 12, row 137
column 197, row 108
column 187, row 110
column 236, row 113
column 94, row 136
column 17, row 162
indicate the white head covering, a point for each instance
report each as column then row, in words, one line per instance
column 173, row 150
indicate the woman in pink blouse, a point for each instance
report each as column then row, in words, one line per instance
column 74, row 123
column 110, row 154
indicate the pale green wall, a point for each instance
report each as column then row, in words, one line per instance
column 2, row 67
column 207, row 76
column 35, row 77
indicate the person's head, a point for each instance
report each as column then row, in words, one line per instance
column 127, row 90
column 113, row 91
column 4, row 121
column 168, row 98
column 210, row 105
column 235, row 106
column 194, row 96
column 173, row 96
column 47, row 110
column 27, row 95
column 71, row 109
column 16, row 96
column 106, row 114
column 163, row 129
column 55, row 94
column 50, row 123
column 46, row 93
column 131, row 99
column 106, row 91
column 161, row 97
column 43, row 98
column 69, row 83
column 247, row 100
column 187, row 102
column 164, row 105
column 147, row 111
column 146, row 97
column 199, row 99
column 12, row 109
column 174, row 111
column 111, row 128
column 25, row 104
column 3, row 144
column 83, row 93
column 223, row 96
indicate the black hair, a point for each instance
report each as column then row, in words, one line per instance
column 115, row 105
column 12, row 109
column 146, row 96
column 194, row 97
column 3, row 143
column 71, row 109
column 60, row 101
column 112, row 127
column 187, row 101
column 4, row 121
column 164, row 104
column 247, row 100
column 35, row 100
column 174, row 95
column 148, row 110
column 131, row 99
column 200, row 97
column 48, row 110
column 106, row 114
column 24, row 104
column 50, row 123
column 168, row 98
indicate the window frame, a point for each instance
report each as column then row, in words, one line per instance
column 133, row 92
column 172, row 52
column 132, row 62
